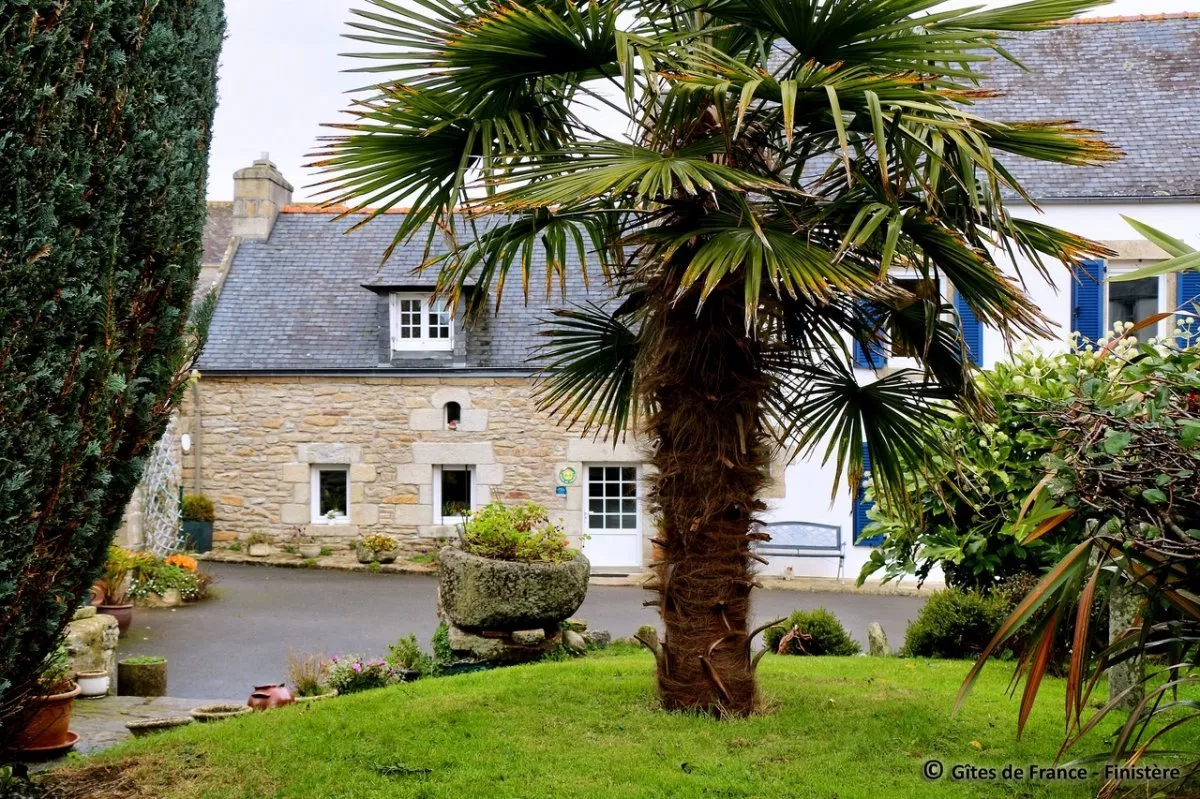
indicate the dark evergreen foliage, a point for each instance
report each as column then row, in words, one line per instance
column 105, row 119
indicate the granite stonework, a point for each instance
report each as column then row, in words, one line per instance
column 92, row 643
column 256, row 440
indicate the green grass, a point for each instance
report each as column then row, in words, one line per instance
column 833, row 727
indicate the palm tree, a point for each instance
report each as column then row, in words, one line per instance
column 783, row 158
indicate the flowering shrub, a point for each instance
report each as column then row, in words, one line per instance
column 378, row 542
column 520, row 532
column 183, row 562
column 349, row 674
column 963, row 514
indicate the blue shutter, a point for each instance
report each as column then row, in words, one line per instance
column 1188, row 295
column 873, row 356
column 1087, row 299
column 861, row 506
column 972, row 330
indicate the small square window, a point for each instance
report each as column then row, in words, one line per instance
column 330, row 494
column 1133, row 301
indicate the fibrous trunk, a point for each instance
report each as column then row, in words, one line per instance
column 711, row 461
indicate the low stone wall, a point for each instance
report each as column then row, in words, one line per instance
column 92, row 643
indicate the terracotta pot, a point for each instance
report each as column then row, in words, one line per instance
column 92, row 684
column 122, row 613
column 49, row 724
column 142, row 679
column 267, row 697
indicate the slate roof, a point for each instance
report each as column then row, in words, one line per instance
column 1135, row 79
column 298, row 302
column 218, row 230
column 302, row 301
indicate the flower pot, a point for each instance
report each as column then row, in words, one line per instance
column 197, row 536
column 141, row 679
column 122, row 613
column 92, row 684
column 259, row 550
column 368, row 555
column 479, row 593
column 268, row 697
column 207, row 713
column 47, row 727
column 149, row 726
column 310, row 551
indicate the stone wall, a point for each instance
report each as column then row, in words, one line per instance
column 255, row 440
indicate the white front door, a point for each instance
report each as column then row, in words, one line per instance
column 612, row 518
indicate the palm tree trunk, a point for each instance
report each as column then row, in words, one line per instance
column 711, row 461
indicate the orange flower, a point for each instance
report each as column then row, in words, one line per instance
column 183, row 562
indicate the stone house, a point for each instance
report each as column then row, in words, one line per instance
column 335, row 400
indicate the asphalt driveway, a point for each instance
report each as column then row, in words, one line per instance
column 221, row 647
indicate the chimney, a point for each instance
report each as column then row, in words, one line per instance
column 260, row 192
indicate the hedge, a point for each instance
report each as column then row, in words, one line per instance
column 105, row 125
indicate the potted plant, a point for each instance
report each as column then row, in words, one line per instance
column 142, row 676
column 198, row 515
column 304, row 546
column 93, row 684
column 378, row 548
column 113, row 588
column 46, row 722
column 513, row 571
column 258, row 545
column 309, row 676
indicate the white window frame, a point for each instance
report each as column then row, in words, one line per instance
column 1165, row 290
column 638, row 496
column 315, row 493
column 438, row 518
column 423, row 342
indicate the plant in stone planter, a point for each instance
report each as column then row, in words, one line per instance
column 304, row 546
column 44, row 725
column 409, row 660
column 377, row 548
column 258, row 545
column 515, row 576
column 142, row 676
column 198, row 516
column 113, row 587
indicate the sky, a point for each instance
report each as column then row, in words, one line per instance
column 281, row 78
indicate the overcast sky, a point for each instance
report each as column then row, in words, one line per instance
column 281, row 77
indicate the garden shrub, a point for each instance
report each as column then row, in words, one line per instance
column 106, row 127
column 308, row 674
column 441, row 644
column 406, row 654
column 829, row 637
column 350, row 674
column 521, row 532
column 955, row 623
column 198, row 508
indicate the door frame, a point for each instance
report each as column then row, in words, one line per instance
column 587, row 495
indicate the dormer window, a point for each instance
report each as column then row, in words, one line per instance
column 420, row 324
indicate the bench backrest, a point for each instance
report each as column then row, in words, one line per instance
column 803, row 536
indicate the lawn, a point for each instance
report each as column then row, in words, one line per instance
column 833, row 727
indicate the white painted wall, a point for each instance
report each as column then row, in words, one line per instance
column 809, row 484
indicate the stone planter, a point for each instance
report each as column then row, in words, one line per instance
column 143, row 727
column 309, row 550
column 258, row 550
column 167, row 599
column 478, row 593
column 366, row 555
column 197, row 536
column 208, row 713
column 92, row 684
column 141, row 679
